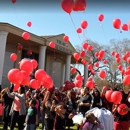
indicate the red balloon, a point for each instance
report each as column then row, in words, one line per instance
column 120, row 67
column 89, row 79
column 100, row 58
column 96, row 54
column 35, row 84
column 26, row 78
column 108, row 95
column 16, row 87
column 105, row 61
column 127, row 72
column 79, row 77
column 100, row 17
column 127, row 54
column 80, row 5
column 128, row 60
column 85, row 45
column 67, row 5
column 48, row 83
column 113, row 53
column 90, row 48
column 90, row 84
column 90, row 66
column 124, row 27
column 41, row 75
column 84, row 24
column 76, row 56
column 29, row 24
column 25, row 35
column 66, row 38
column 82, row 54
column 102, row 74
column 13, row 1
column 129, row 25
column 123, row 72
column 116, row 23
column 116, row 97
column 96, row 64
column 118, row 60
column 73, row 70
column 72, row 85
column 29, row 52
column 120, row 109
column 52, row 44
column 34, row 63
column 126, row 80
column 15, row 76
column 117, row 55
column 26, row 65
column 13, row 57
column 84, row 62
column 78, row 83
column 79, row 30
column 124, row 57
column 101, row 53
column 19, row 47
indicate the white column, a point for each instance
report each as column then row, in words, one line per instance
column 62, row 73
column 42, row 55
column 19, row 53
column 67, row 68
column 3, row 38
column 85, row 74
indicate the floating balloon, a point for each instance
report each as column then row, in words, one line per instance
column 78, row 83
column 80, row 5
column 66, row 38
column 126, row 80
column 101, row 53
column 84, row 62
column 34, row 63
column 120, row 109
column 96, row 64
column 102, row 74
column 48, row 82
column 79, row 30
column 29, row 24
column 90, row 48
column 82, row 54
column 117, row 55
column 85, row 45
column 96, row 54
column 100, row 17
column 116, row 97
column 26, row 78
column 13, row 1
column 90, row 84
column 15, row 76
column 41, row 75
column 26, row 65
column 105, row 62
column 89, row 79
column 79, row 77
column 84, row 24
column 52, row 44
column 124, row 57
column 124, row 27
column 16, row 87
column 90, row 67
column 13, row 57
column 19, row 47
column 120, row 67
column 35, row 84
column 76, row 56
column 118, row 60
column 113, row 53
column 73, row 70
column 29, row 52
column 116, row 23
column 26, row 36
column 108, row 95
column 67, row 5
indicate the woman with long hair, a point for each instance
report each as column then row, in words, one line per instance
column 18, row 109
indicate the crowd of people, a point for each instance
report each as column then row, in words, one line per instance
column 55, row 108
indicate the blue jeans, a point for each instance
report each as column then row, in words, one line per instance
column 30, row 127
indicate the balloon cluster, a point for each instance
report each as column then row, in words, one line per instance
column 90, row 83
column 67, row 85
column 22, row 75
column 78, row 81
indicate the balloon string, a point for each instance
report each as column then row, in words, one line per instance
column 74, row 26
column 104, row 33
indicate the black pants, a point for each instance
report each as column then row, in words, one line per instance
column 6, row 123
column 17, row 118
column 48, row 124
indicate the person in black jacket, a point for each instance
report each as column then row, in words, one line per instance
column 7, row 103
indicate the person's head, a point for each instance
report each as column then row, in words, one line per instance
column 32, row 102
column 126, row 88
column 69, row 94
column 96, row 92
column 85, row 90
column 90, row 117
column 21, row 90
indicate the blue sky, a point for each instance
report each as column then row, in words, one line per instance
column 48, row 18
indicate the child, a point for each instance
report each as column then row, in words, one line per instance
column 32, row 116
column 92, row 123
